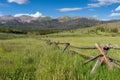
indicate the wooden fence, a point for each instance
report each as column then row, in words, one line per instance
column 101, row 57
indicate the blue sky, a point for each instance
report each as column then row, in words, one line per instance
column 101, row 9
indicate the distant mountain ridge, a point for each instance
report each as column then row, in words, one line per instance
column 32, row 23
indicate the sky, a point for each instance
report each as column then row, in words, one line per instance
column 100, row 9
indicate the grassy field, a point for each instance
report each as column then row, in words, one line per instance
column 29, row 58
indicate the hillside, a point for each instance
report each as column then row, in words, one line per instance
column 108, row 28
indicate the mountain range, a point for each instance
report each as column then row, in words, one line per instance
column 32, row 23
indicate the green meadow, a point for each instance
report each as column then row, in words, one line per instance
column 24, row 57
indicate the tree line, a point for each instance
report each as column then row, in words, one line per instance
column 21, row 31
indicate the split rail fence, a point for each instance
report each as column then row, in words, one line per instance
column 101, row 57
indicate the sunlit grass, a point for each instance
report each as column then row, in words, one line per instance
column 33, row 59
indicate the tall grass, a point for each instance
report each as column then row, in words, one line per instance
column 33, row 59
column 19, row 59
column 57, row 65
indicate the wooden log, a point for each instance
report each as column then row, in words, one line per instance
column 92, row 58
column 104, row 56
column 116, row 65
column 66, row 46
column 83, row 47
column 64, row 43
column 55, row 44
column 113, row 47
column 113, row 59
column 81, row 54
column 98, row 62
column 48, row 42
column 116, row 47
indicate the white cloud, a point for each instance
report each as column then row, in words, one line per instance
column 69, row 9
column 117, row 9
column 115, row 14
column 100, row 3
column 18, row 1
column 37, row 14
column 96, row 4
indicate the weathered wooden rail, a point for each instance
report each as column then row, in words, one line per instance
column 101, row 57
